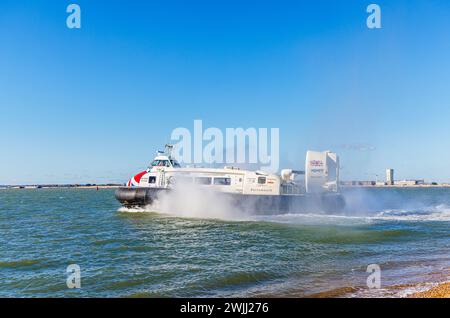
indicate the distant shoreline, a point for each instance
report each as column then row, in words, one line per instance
column 113, row 186
column 399, row 186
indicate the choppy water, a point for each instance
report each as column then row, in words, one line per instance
column 134, row 253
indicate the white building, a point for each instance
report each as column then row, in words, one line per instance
column 406, row 183
column 390, row 176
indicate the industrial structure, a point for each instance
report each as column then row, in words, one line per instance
column 390, row 176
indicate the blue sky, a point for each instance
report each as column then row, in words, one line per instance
column 94, row 104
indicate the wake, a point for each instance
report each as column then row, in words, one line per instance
column 438, row 213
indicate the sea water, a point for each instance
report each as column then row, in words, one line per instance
column 143, row 253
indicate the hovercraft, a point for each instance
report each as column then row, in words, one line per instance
column 293, row 191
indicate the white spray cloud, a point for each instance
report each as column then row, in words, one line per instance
column 196, row 201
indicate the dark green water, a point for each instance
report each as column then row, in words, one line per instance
column 129, row 253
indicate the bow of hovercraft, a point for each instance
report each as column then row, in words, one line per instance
column 137, row 196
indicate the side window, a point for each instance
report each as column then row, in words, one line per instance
column 222, row 181
column 151, row 179
column 175, row 164
column 261, row 180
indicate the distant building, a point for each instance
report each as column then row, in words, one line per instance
column 367, row 183
column 357, row 183
column 390, row 176
column 409, row 182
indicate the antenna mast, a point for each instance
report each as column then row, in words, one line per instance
column 168, row 150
